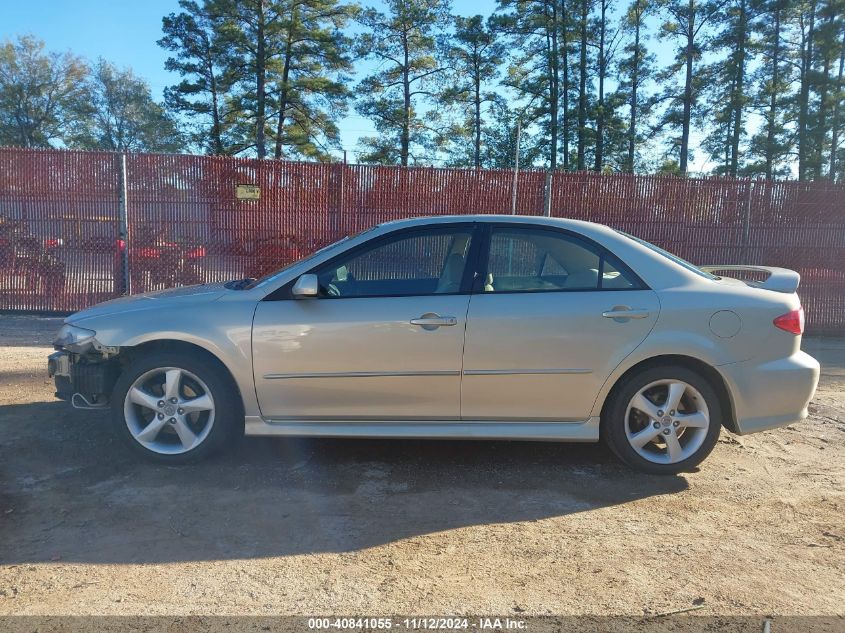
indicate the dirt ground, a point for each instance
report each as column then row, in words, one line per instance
column 283, row 526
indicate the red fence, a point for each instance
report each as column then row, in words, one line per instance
column 60, row 213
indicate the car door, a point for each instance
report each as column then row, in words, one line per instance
column 382, row 340
column 553, row 315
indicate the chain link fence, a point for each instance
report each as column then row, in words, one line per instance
column 81, row 227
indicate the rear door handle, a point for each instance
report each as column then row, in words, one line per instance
column 432, row 321
column 621, row 312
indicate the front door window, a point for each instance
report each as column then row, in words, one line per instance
column 411, row 264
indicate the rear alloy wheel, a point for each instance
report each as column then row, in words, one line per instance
column 663, row 420
column 174, row 407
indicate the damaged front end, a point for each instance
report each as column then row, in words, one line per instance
column 83, row 369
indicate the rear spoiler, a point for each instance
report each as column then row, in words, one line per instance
column 779, row 279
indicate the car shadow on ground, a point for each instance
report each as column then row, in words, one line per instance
column 71, row 491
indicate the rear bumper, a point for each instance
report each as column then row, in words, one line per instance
column 769, row 394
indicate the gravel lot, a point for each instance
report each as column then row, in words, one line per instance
column 403, row 527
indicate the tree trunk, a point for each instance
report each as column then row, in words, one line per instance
column 804, row 93
column 821, row 116
column 565, row 60
column 582, row 88
column 260, row 85
column 834, row 141
column 554, row 88
column 477, row 81
column 405, row 141
column 739, row 89
column 602, row 73
column 769, row 151
column 283, row 95
column 216, row 131
column 635, row 79
column 690, row 51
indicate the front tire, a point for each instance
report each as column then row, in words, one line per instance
column 662, row 420
column 175, row 407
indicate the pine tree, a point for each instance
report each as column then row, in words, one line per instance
column 836, row 169
column 806, row 26
column 636, row 68
column 584, row 9
column 474, row 53
column 207, row 76
column 537, row 31
column 608, row 41
column 403, row 40
column 727, row 88
column 500, row 130
column 771, row 84
column 686, row 23
column 828, row 37
column 250, row 30
column 310, row 82
column 565, row 46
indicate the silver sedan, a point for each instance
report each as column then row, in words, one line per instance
column 488, row 327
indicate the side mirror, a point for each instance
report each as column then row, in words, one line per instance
column 306, row 286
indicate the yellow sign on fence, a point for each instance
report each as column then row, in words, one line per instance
column 247, row 192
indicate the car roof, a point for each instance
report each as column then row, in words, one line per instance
column 493, row 218
column 595, row 231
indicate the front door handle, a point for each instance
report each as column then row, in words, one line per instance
column 623, row 313
column 432, row 321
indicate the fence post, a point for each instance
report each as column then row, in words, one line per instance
column 746, row 225
column 547, row 195
column 516, row 166
column 123, row 228
column 335, row 183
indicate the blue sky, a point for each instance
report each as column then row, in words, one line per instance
column 125, row 32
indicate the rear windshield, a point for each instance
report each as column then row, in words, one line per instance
column 668, row 255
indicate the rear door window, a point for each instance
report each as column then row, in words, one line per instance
column 542, row 260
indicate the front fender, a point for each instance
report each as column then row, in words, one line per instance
column 222, row 328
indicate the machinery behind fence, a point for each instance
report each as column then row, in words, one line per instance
column 81, row 227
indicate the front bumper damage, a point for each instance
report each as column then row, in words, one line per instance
column 86, row 379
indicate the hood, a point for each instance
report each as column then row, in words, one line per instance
column 170, row 297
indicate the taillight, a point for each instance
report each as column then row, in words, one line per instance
column 197, row 252
column 792, row 322
column 53, row 242
column 121, row 245
column 148, row 252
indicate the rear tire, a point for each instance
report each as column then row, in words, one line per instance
column 662, row 420
column 176, row 407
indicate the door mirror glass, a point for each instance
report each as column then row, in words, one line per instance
column 306, row 286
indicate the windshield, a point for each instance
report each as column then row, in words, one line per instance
column 273, row 274
column 668, row 255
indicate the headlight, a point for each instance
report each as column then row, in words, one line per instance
column 71, row 336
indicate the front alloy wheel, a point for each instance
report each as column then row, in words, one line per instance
column 169, row 410
column 176, row 406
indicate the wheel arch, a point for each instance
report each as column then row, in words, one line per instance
column 132, row 352
column 708, row 372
